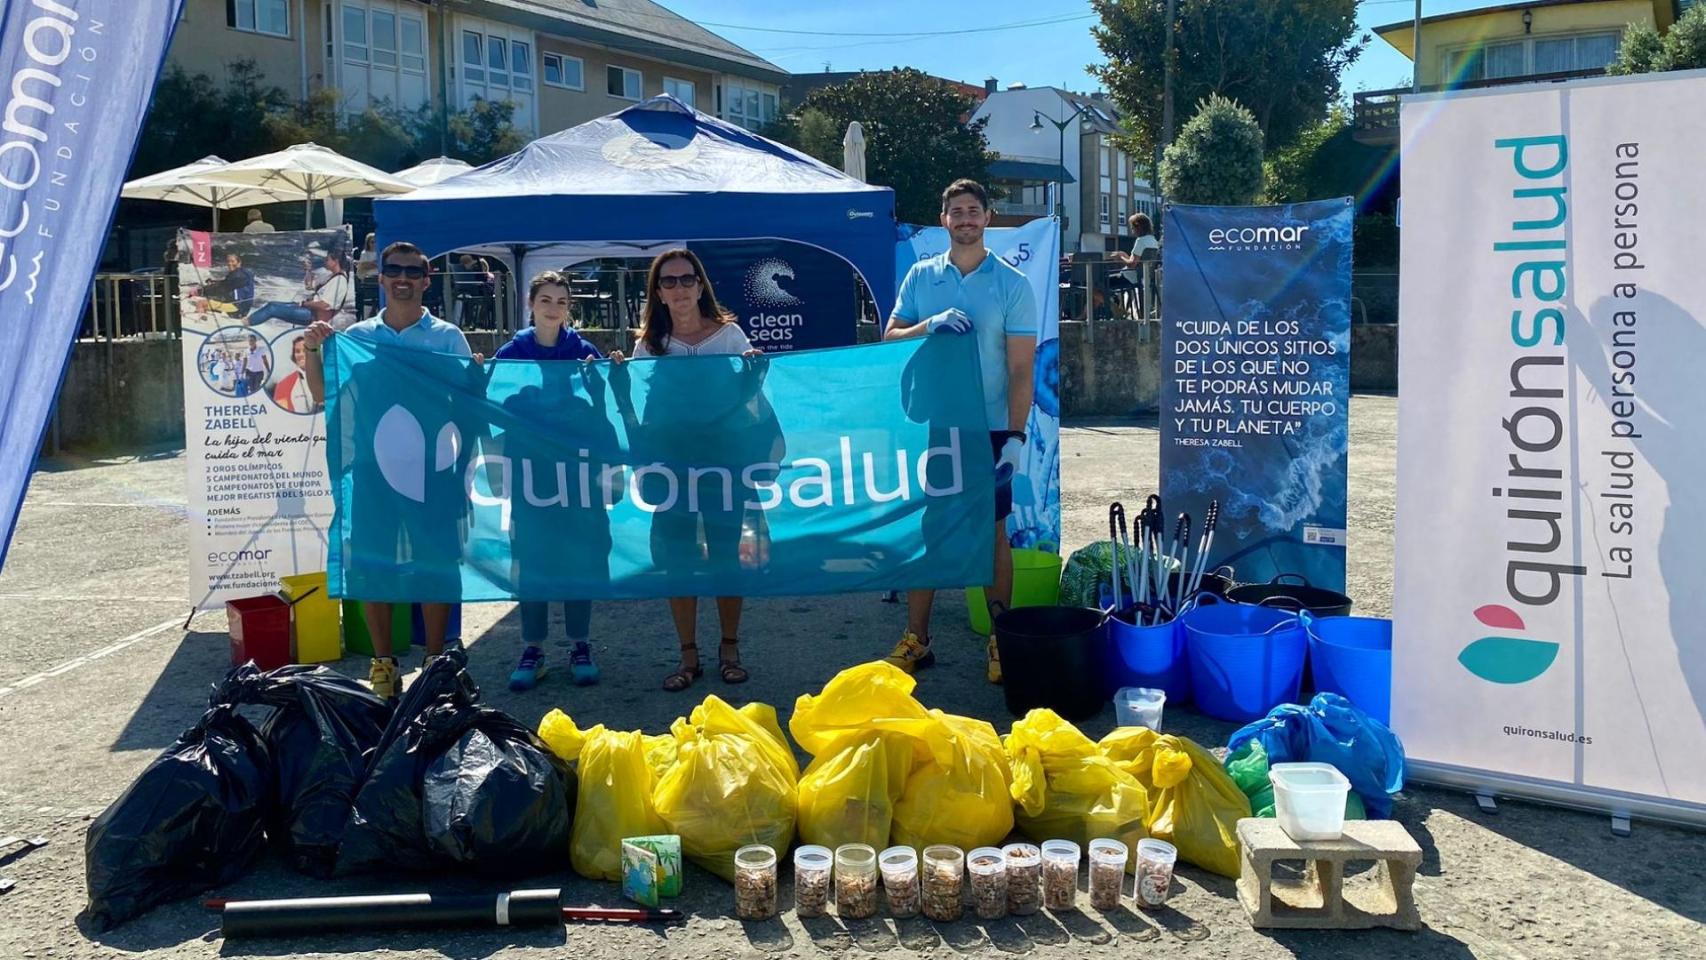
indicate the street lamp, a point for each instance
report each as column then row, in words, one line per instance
column 1060, row 125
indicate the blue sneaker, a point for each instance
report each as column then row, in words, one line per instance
column 581, row 667
column 529, row 671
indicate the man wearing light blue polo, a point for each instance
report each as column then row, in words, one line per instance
column 432, row 541
column 970, row 290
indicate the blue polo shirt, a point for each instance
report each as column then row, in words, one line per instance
column 428, row 333
column 996, row 297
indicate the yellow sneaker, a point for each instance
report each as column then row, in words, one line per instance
column 382, row 676
column 993, row 670
column 911, row 654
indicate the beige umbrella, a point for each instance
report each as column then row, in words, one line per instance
column 853, row 151
column 314, row 172
column 191, row 184
column 433, row 171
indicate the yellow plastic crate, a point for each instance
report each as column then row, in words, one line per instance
column 315, row 634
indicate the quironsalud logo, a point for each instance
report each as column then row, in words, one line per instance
column 1505, row 659
column 399, row 445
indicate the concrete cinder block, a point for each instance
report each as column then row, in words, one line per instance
column 1322, row 900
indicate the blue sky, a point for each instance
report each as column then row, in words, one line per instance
column 1040, row 54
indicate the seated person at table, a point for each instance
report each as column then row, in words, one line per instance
column 233, row 293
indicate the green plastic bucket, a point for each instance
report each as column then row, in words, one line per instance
column 1036, row 583
column 356, row 639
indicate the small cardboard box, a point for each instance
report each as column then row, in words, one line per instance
column 667, row 850
column 639, row 874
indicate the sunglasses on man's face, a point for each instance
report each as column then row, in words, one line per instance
column 686, row 281
column 411, row 271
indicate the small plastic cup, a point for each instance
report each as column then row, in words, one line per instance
column 988, row 868
column 856, row 881
column 1140, row 707
column 899, row 867
column 755, row 882
column 1025, row 878
column 812, row 868
column 1107, row 873
column 1155, row 859
column 944, row 882
column 1060, row 874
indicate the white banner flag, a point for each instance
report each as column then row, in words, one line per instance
column 1550, row 621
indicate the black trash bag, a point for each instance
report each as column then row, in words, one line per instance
column 194, row 819
column 321, row 735
column 456, row 784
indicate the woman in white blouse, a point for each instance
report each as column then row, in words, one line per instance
column 683, row 318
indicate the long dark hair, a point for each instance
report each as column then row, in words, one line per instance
column 656, row 326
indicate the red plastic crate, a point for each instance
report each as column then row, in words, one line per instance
column 260, row 631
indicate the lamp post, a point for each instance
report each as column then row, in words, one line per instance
column 1037, row 119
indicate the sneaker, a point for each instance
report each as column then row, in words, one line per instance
column 993, row 669
column 912, row 654
column 382, row 676
column 581, row 668
column 529, row 671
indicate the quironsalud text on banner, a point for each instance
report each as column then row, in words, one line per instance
column 828, row 471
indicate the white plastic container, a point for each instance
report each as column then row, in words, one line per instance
column 1309, row 800
column 1139, row 707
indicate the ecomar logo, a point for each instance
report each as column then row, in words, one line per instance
column 1501, row 658
column 1228, row 239
column 399, row 446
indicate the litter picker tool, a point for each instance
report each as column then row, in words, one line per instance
column 311, row 915
column 1209, row 523
column 1116, row 524
column 1183, row 532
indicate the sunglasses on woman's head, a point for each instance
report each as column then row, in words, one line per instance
column 686, row 280
column 398, row 270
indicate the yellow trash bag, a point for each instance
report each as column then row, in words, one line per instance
column 848, row 793
column 964, row 801
column 1193, row 802
column 870, row 697
column 1064, row 787
column 734, row 782
column 615, row 796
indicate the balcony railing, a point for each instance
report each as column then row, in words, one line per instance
column 1013, row 209
column 1376, row 111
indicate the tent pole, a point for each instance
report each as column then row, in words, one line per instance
column 516, row 305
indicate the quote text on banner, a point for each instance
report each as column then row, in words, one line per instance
column 856, row 469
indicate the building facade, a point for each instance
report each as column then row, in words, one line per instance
column 560, row 62
column 1100, row 185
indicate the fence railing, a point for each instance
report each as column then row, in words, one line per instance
column 130, row 305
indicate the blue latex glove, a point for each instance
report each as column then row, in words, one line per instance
column 1006, row 465
column 952, row 320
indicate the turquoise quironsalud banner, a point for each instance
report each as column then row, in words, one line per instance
column 830, row 471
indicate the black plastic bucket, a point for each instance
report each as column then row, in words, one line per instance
column 1215, row 583
column 1283, row 595
column 1054, row 657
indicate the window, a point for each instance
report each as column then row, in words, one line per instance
column 1124, row 185
column 1104, row 210
column 1107, row 161
column 355, row 34
column 521, row 65
column 751, row 107
column 681, row 90
column 769, row 111
column 497, row 59
column 1531, row 56
column 473, row 63
column 1568, row 54
column 1119, row 163
column 622, row 82
column 384, row 38
column 565, row 71
column 413, row 35
column 271, row 17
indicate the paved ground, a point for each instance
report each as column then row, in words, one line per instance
column 96, row 676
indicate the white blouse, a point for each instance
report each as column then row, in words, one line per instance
column 728, row 339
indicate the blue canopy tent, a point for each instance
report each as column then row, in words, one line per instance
column 655, row 172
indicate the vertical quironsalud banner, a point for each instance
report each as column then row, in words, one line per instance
column 1034, row 249
column 1255, row 383
column 1551, row 441
column 254, row 440
column 77, row 78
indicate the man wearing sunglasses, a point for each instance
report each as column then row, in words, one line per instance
column 430, row 541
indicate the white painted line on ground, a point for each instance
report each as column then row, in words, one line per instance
column 91, row 598
column 88, row 658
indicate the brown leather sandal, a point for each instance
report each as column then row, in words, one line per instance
column 684, row 675
column 729, row 667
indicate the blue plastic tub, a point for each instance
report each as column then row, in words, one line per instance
column 1352, row 657
column 1244, row 660
column 1150, row 656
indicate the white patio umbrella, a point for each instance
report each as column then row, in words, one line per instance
column 853, row 151
column 433, row 171
column 191, row 184
column 315, row 172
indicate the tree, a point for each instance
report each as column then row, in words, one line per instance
column 1683, row 47
column 1217, row 157
column 192, row 116
column 917, row 138
column 1280, row 58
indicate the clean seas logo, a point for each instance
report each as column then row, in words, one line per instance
column 1228, row 239
column 399, row 445
column 1506, row 659
column 775, row 312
